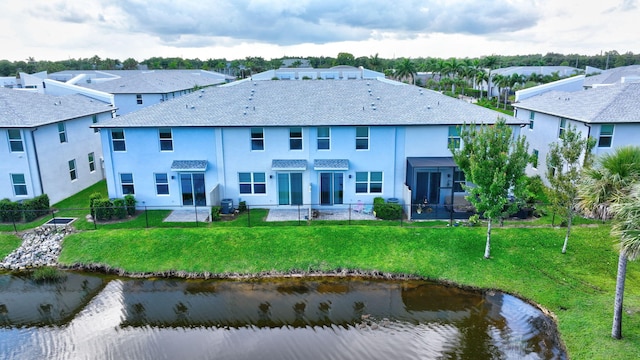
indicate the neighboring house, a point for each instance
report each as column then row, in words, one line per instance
column 47, row 145
column 134, row 89
column 562, row 71
column 619, row 75
column 287, row 143
column 340, row 72
column 610, row 114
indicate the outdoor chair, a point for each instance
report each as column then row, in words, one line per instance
column 359, row 207
column 368, row 209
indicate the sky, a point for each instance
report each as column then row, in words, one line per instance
column 235, row 29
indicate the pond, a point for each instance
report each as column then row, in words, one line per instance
column 87, row 316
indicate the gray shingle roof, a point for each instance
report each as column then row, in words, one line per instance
column 612, row 76
column 189, row 165
column 609, row 104
column 30, row 109
column 310, row 103
column 157, row 82
column 288, row 164
column 331, row 164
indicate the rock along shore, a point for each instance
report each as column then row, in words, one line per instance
column 40, row 247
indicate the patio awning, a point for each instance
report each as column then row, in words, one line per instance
column 330, row 164
column 189, row 165
column 431, row 162
column 289, row 165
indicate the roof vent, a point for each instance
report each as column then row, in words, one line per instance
column 193, row 107
column 202, row 91
column 428, row 106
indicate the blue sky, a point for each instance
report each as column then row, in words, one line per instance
column 235, row 29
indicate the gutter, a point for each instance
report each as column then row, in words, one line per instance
column 35, row 152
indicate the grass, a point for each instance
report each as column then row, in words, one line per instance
column 8, row 243
column 577, row 287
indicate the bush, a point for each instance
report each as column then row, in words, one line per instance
column 130, row 203
column 386, row 211
column 215, row 213
column 36, row 207
column 537, row 191
column 119, row 209
column 10, row 211
column 92, row 198
column 103, row 209
column 242, row 206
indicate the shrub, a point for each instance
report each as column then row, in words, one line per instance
column 30, row 209
column 130, row 203
column 215, row 213
column 385, row 210
column 242, row 206
column 537, row 191
column 92, row 198
column 10, row 211
column 103, row 209
column 119, row 209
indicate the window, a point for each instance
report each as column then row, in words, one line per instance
column 139, row 99
column 532, row 116
column 563, row 126
column 92, row 162
column 62, row 132
column 257, row 139
column 94, row 119
column 369, row 182
column 458, row 181
column 295, row 138
column 454, row 137
column 166, row 139
column 606, row 136
column 19, row 184
column 162, row 184
column 15, row 141
column 362, row 138
column 252, row 183
column 117, row 138
column 324, row 138
column 534, row 158
column 126, row 180
column 72, row 170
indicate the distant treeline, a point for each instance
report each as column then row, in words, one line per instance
column 242, row 67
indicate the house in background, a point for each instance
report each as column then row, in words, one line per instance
column 619, row 75
column 610, row 114
column 47, row 145
column 135, row 89
column 340, row 72
column 289, row 143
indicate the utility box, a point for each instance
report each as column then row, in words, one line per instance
column 226, row 206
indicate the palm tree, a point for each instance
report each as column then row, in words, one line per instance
column 627, row 227
column 375, row 62
column 481, row 77
column 611, row 190
column 405, row 68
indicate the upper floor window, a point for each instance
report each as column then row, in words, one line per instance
column 324, row 138
column 257, row 139
column 117, row 139
column 362, row 138
column 139, row 99
column 19, row 184
column 15, row 140
column 166, row 139
column 369, row 182
column 62, row 132
column 606, row 135
column 453, row 140
column 563, row 127
column 73, row 173
column 126, row 181
column 94, row 120
column 252, row 183
column 534, row 158
column 92, row 162
column 162, row 184
column 295, row 138
column 532, row 117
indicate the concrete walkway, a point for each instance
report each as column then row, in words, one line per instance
column 190, row 215
column 322, row 214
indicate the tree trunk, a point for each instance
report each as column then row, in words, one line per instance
column 616, row 329
column 487, row 248
column 566, row 237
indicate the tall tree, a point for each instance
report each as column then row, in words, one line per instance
column 610, row 190
column 627, row 228
column 563, row 173
column 405, row 68
column 494, row 162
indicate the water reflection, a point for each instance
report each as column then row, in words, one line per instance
column 276, row 318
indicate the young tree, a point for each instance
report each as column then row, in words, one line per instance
column 494, row 162
column 563, row 172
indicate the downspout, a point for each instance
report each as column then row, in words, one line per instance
column 35, row 152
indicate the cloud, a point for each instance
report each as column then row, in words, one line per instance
column 187, row 23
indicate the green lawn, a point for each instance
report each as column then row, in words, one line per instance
column 577, row 287
column 8, row 243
